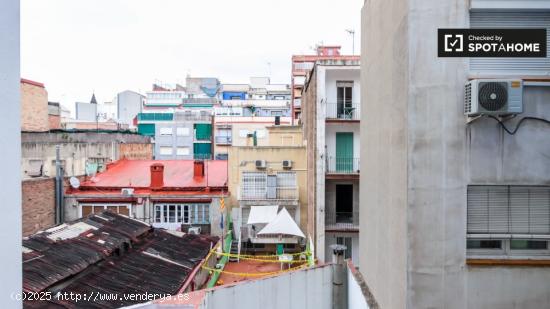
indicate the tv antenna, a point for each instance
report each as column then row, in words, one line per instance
column 352, row 33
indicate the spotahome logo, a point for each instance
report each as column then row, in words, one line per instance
column 491, row 42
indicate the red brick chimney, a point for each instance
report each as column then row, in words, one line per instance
column 198, row 169
column 157, row 175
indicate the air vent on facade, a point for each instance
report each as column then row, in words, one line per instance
column 287, row 164
column 261, row 164
column 127, row 191
column 194, row 230
column 493, row 97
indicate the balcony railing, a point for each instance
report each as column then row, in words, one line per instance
column 192, row 117
column 223, row 140
column 342, row 165
column 268, row 193
column 343, row 111
column 341, row 220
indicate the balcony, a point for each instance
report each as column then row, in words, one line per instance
column 342, row 165
column 268, row 193
column 342, row 221
column 343, row 111
column 223, row 140
column 186, row 116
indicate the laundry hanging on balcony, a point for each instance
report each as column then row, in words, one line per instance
column 282, row 224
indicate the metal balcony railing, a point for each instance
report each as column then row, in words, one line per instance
column 223, row 140
column 341, row 220
column 192, row 117
column 342, row 165
column 268, row 193
column 343, row 111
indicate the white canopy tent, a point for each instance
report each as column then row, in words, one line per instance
column 282, row 224
column 262, row 214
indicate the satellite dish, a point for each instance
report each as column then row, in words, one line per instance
column 75, row 183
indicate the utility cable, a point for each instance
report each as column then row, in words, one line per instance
column 512, row 132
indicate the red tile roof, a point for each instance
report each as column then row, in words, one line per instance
column 178, row 175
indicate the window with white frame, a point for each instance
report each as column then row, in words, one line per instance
column 254, row 184
column 508, row 220
column 165, row 150
column 183, row 151
column 182, row 131
column 166, row 131
column 86, row 209
column 183, row 213
column 260, row 185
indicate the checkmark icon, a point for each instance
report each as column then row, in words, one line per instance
column 453, row 43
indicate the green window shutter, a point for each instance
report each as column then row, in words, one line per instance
column 203, row 131
column 146, row 129
column 344, row 152
column 202, row 150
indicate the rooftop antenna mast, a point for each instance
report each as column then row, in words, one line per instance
column 352, row 33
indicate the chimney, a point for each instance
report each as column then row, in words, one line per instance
column 198, row 168
column 157, row 175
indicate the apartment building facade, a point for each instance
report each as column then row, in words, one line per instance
column 455, row 208
column 330, row 114
column 264, row 180
column 302, row 65
column 170, row 194
column 180, row 119
column 244, row 112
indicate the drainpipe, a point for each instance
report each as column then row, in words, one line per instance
column 59, row 216
column 339, row 277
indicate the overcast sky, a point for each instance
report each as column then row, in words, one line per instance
column 75, row 47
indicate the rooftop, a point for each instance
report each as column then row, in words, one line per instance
column 109, row 253
column 178, row 175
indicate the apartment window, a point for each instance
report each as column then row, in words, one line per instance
column 511, row 19
column 344, row 98
column 165, row 150
column 260, row 185
column 165, row 131
column 254, row 184
column 182, row 213
column 182, row 131
column 183, row 151
column 96, row 208
column 508, row 220
column 35, row 168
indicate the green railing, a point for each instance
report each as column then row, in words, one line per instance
column 228, row 239
column 155, row 116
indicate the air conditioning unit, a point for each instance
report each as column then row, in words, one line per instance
column 127, row 191
column 495, row 97
column 287, row 164
column 261, row 164
column 194, row 230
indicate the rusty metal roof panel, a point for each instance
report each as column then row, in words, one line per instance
column 118, row 256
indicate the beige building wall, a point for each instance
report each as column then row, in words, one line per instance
column 240, row 126
column 34, row 107
column 242, row 159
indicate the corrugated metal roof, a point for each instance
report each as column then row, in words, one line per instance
column 177, row 174
column 115, row 255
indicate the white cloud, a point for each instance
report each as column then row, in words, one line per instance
column 79, row 46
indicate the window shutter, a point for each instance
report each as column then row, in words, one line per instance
column 514, row 66
column 508, row 210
